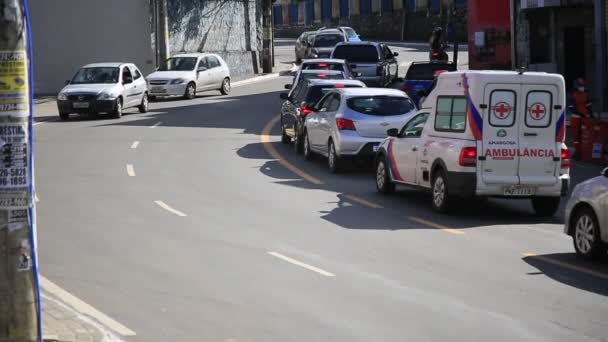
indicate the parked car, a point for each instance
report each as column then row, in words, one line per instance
column 302, row 44
column 187, row 74
column 305, row 95
column 304, row 75
column 587, row 217
column 349, row 32
column 324, row 43
column 375, row 62
column 419, row 78
column 486, row 134
column 103, row 88
column 351, row 123
column 328, row 64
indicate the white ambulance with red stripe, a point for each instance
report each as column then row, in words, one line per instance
column 487, row 134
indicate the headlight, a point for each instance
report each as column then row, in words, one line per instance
column 107, row 96
column 178, row 81
column 62, row 97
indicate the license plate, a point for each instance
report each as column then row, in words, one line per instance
column 519, row 191
column 376, row 147
column 80, row 105
column 158, row 90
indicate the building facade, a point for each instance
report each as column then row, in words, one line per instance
column 372, row 19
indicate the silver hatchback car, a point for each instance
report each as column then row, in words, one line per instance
column 350, row 123
column 587, row 217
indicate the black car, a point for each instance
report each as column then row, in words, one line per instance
column 303, row 43
column 299, row 104
column 324, row 43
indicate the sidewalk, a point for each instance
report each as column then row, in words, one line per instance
column 63, row 324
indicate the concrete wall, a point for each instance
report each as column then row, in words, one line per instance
column 230, row 28
column 70, row 33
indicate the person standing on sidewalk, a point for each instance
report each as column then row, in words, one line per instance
column 580, row 97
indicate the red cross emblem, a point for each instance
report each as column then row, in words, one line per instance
column 502, row 110
column 537, row 111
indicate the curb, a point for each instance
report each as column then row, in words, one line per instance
column 255, row 79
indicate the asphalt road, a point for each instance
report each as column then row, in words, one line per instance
column 209, row 229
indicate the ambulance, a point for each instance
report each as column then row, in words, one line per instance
column 485, row 134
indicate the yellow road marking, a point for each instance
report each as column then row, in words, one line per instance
column 265, row 138
column 363, row 201
column 568, row 265
column 301, row 264
column 437, row 226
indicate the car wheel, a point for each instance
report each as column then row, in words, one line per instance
column 285, row 139
column 383, row 179
column 225, row 89
column 190, row 91
column 64, row 116
column 333, row 159
column 545, row 206
column 307, row 151
column 297, row 141
column 151, row 98
column 439, row 188
column 143, row 107
column 118, row 109
column 586, row 234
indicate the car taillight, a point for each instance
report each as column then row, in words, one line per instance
column 379, row 70
column 321, row 75
column 322, row 65
column 345, row 124
column 305, row 110
column 406, row 88
column 565, row 155
column 468, row 156
column 435, row 54
column 338, row 85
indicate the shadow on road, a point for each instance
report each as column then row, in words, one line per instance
column 571, row 270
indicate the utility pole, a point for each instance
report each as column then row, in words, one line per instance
column 267, row 36
column 19, row 296
column 161, row 35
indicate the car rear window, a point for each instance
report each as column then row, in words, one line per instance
column 380, row 105
column 322, row 76
column 427, row 71
column 323, row 66
column 315, row 93
column 357, row 53
column 328, row 40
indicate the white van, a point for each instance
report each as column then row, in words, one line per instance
column 483, row 133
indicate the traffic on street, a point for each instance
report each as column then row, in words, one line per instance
column 339, row 201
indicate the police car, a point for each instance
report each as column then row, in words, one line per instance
column 483, row 133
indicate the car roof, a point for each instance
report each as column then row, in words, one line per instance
column 371, row 92
column 315, row 71
column 106, row 65
column 319, row 82
column 375, row 44
column 329, row 31
column 323, row 60
column 193, row 54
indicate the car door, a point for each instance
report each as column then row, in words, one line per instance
column 130, row 88
column 327, row 122
column 313, row 123
column 391, row 62
column 215, row 79
column 203, row 74
column 140, row 83
column 289, row 109
column 406, row 149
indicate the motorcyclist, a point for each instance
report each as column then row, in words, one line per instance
column 437, row 45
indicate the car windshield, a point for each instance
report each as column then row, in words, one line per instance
column 350, row 33
column 315, row 93
column 328, row 40
column 322, row 76
column 381, row 105
column 323, row 66
column 180, row 64
column 96, row 75
column 427, row 71
column 357, row 53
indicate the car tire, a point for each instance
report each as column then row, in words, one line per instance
column 143, row 106
column 383, row 179
column 64, row 116
column 334, row 164
column 285, row 139
column 586, row 235
column 545, row 206
column 117, row 114
column 440, row 197
column 152, row 98
column 297, row 141
column 307, row 151
column 225, row 88
column 190, row 92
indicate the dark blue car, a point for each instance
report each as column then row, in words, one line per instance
column 420, row 76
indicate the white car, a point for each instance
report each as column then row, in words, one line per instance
column 484, row 133
column 103, row 88
column 350, row 123
column 187, row 74
column 587, row 217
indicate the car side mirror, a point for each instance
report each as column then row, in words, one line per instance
column 284, row 96
column 202, row 69
column 357, row 74
column 288, row 86
column 605, row 172
column 395, row 54
column 393, row 132
column 67, row 82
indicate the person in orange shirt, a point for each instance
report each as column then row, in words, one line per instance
column 581, row 99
